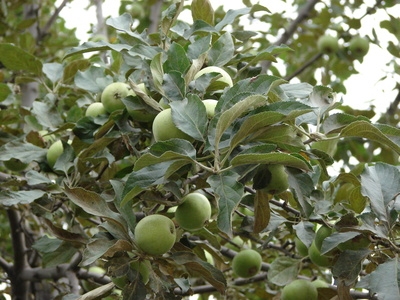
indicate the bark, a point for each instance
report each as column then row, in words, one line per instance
column 155, row 12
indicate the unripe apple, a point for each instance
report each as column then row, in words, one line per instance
column 317, row 258
column 328, row 44
column 193, row 212
column 165, row 129
column 112, row 95
column 247, row 263
column 359, row 46
column 299, row 289
column 322, row 233
column 95, row 109
column 319, row 283
column 53, row 153
column 210, row 105
column 15, row 165
column 301, row 247
column 155, row 234
column 272, row 179
column 220, row 83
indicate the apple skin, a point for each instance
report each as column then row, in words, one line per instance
column 210, row 105
column 155, row 234
column 247, row 263
column 54, row 152
column 15, row 165
column 319, row 283
column 299, row 289
column 317, row 258
column 112, row 95
column 220, row 83
column 322, row 233
column 328, row 44
column 193, row 212
column 95, row 109
column 165, row 129
column 301, row 247
column 359, row 47
column 276, row 179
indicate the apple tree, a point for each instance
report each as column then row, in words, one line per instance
column 202, row 169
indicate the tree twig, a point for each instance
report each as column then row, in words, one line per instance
column 303, row 14
column 45, row 30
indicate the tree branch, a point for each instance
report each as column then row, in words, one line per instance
column 154, row 17
column 45, row 30
column 6, row 266
column 303, row 14
column 20, row 287
column 303, row 67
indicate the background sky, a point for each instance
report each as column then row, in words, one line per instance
column 363, row 89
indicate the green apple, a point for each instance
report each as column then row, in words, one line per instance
column 301, row 247
column 322, row 233
column 112, row 95
column 15, row 165
column 141, row 115
column 319, row 283
column 143, row 267
column 299, row 289
column 155, row 234
column 165, row 129
column 210, row 105
column 328, row 44
column 224, row 81
column 54, row 152
column 317, row 258
column 95, row 109
column 193, row 212
column 272, row 179
column 247, row 263
column 359, row 46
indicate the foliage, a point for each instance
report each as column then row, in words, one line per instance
column 82, row 211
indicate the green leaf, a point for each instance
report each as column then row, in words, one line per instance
column 230, row 115
column 305, row 232
column 335, row 239
column 381, row 184
column 61, row 255
column 157, row 71
column 190, row 116
column 222, row 51
column 199, row 26
column 336, row 122
column 92, row 80
column 348, row 265
column 96, row 46
column 283, row 270
column 174, row 86
column 9, row 198
column 177, row 59
column 268, row 158
column 384, row 280
column 46, row 245
column 202, row 10
column 10, row 116
column 99, row 247
column 123, row 23
column 230, row 17
column 47, row 114
column 5, row 91
column 199, row 47
column 53, row 71
column 25, row 152
column 254, row 123
column 366, row 130
column 170, row 15
column 72, row 68
column 229, row 193
column 16, row 59
column 166, row 151
column 207, row 271
column 93, row 204
column 262, row 211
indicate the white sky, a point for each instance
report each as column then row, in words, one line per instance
column 363, row 89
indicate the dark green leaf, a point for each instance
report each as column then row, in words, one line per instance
column 202, row 10
column 348, row 265
column 25, row 152
column 229, row 193
column 16, row 59
column 283, row 270
column 221, row 51
column 177, row 59
column 96, row 46
column 5, row 91
column 305, row 232
column 335, row 239
column 53, row 71
column 230, row 17
column 9, row 198
column 174, row 86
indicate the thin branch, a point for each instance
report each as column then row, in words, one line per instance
column 394, row 106
column 45, row 30
column 303, row 15
column 6, row 266
column 303, row 67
